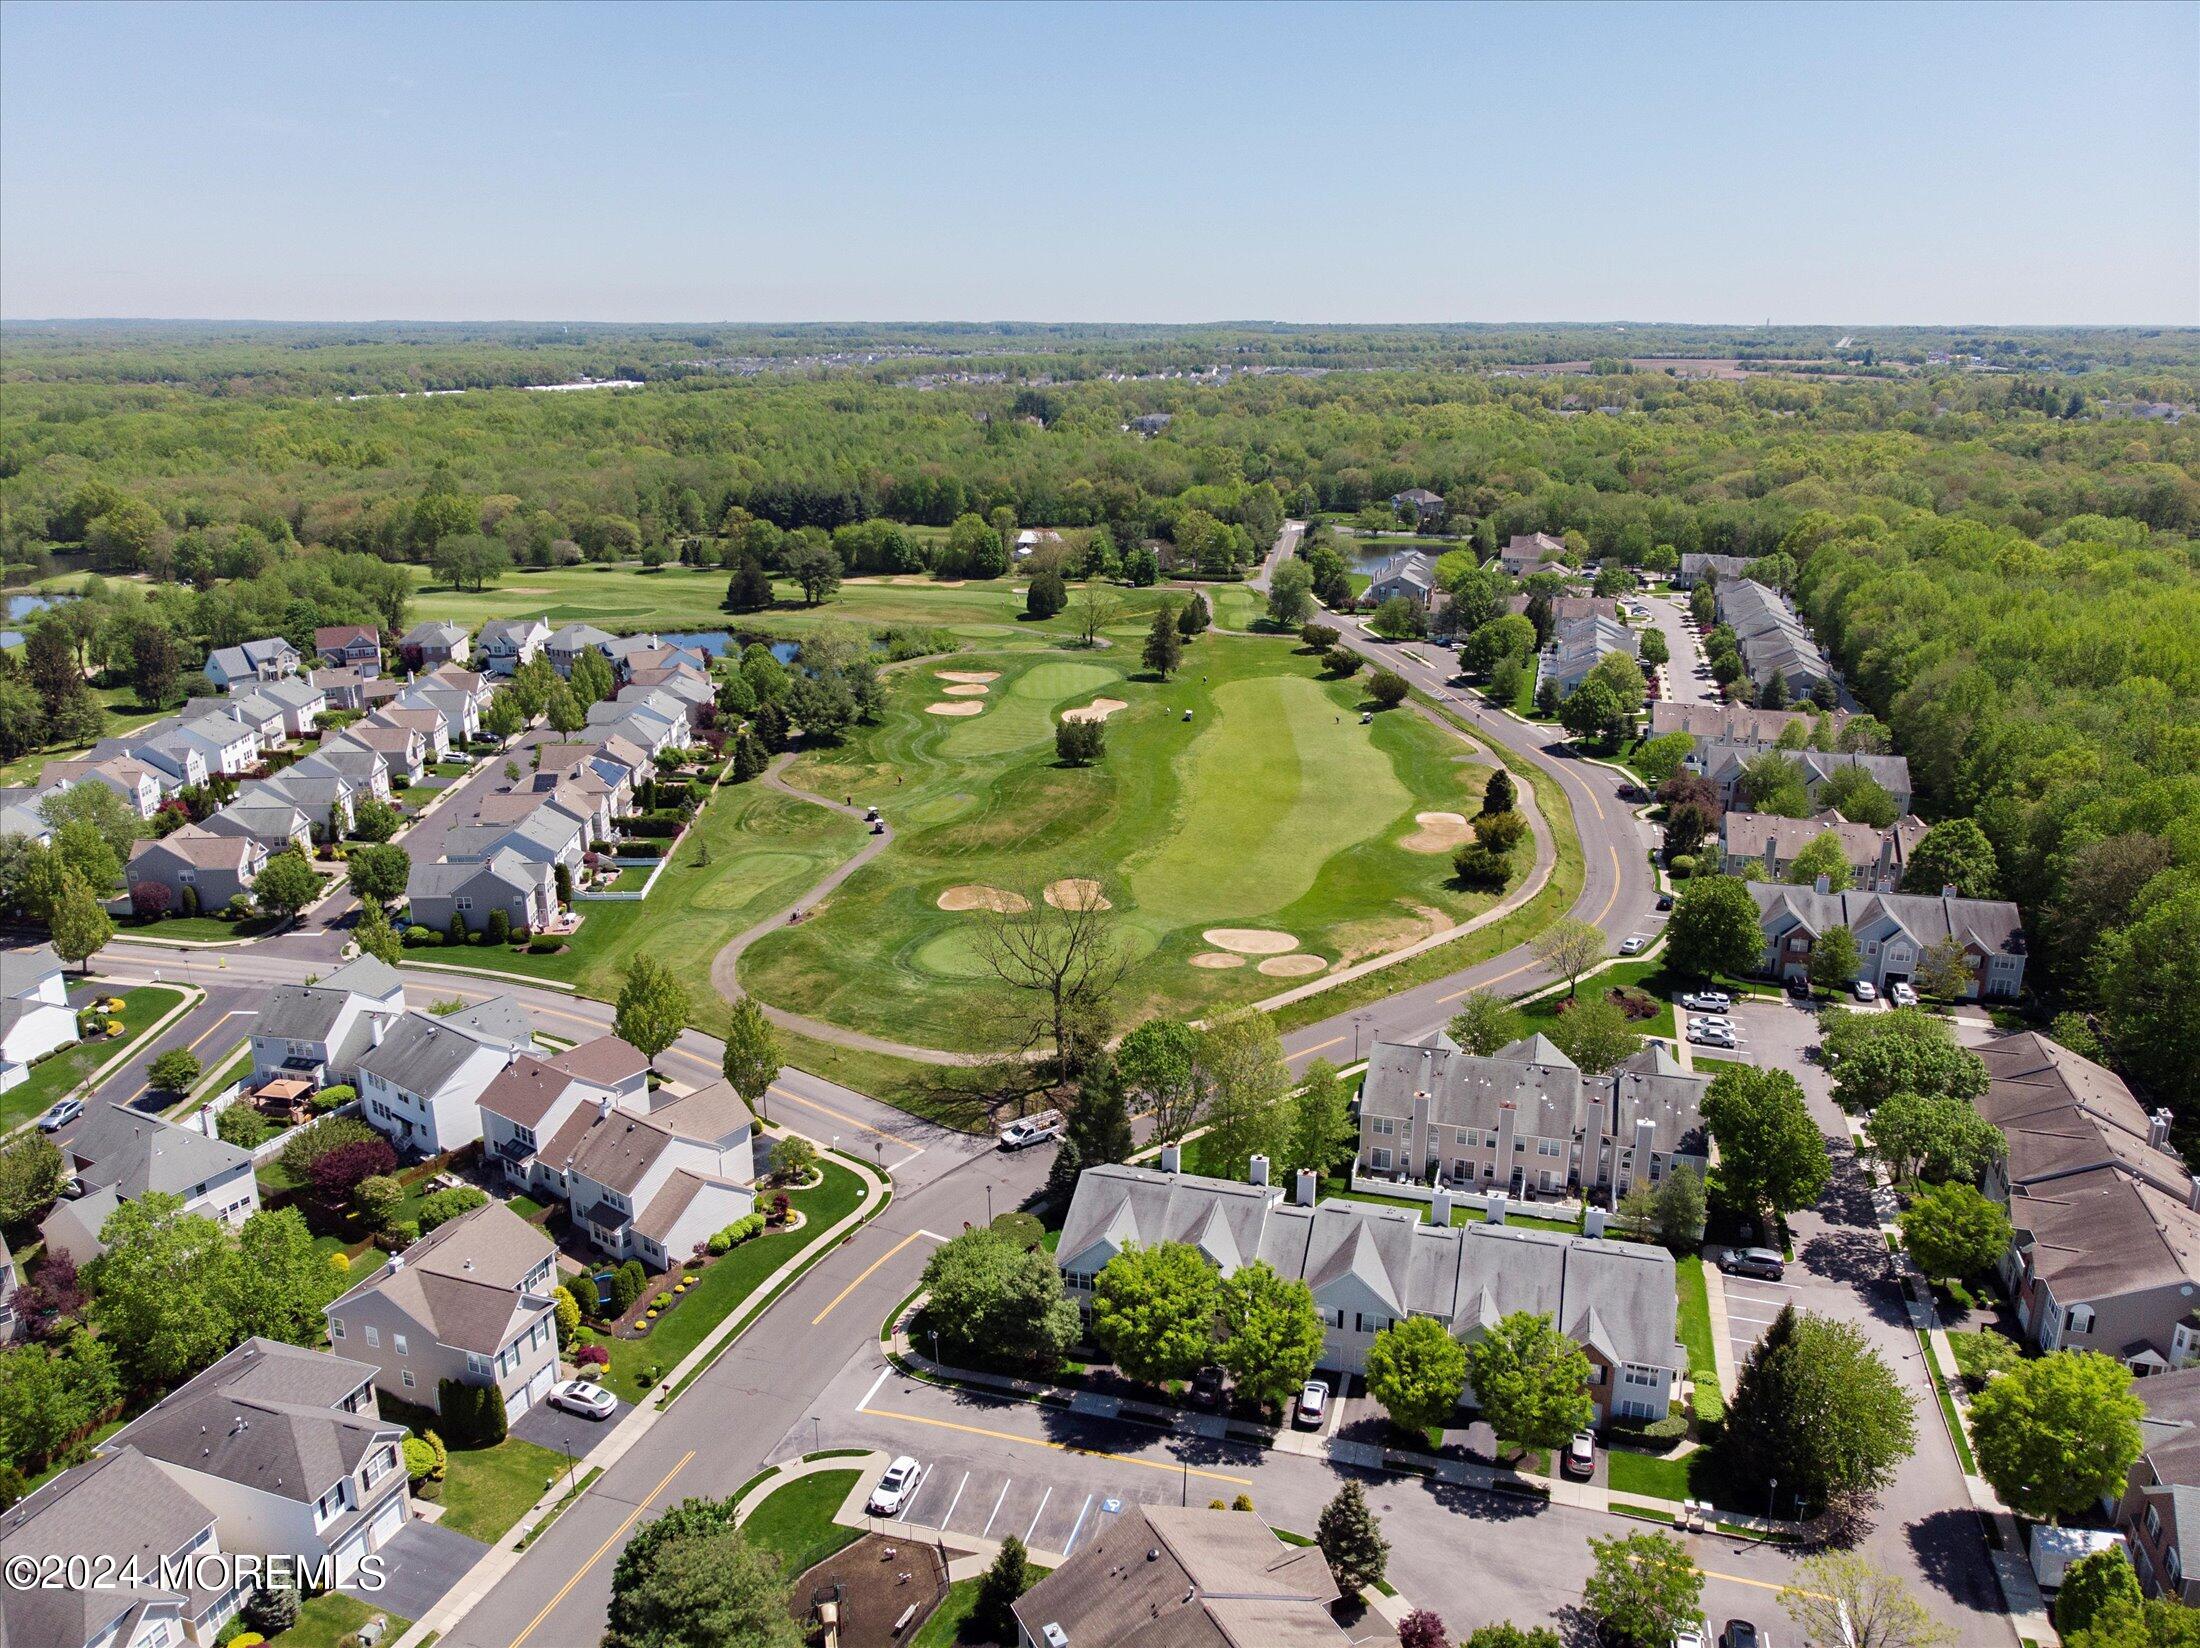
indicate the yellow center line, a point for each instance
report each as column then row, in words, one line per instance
column 192, row 1047
column 838, row 1116
column 865, row 1277
column 1173, row 1468
column 612, row 1539
column 1763, row 1584
column 1317, row 1047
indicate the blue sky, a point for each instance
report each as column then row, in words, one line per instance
column 1868, row 164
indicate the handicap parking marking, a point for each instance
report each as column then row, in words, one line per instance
column 1079, row 1526
column 987, row 1530
column 1041, row 1511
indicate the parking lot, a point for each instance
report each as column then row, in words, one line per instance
column 967, row 1496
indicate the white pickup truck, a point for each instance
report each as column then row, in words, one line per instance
column 1030, row 1130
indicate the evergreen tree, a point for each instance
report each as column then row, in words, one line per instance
column 992, row 1618
column 1352, row 1541
column 1195, row 617
column 1164, row 646
column 1099, row 1129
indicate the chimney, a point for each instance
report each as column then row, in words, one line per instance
column 1493, row 1208
column 1646, row 1141
column 2192, row 1196
column 1592, row 1221
column 1172, row 1158
column 1824, row 885
column 603, row 1107
column 2158, row 1129
column 397, row 1261
column 1256, row 1171
column 1772, row 856
column 1883, row 876
column 374, row 1030
column 1305, row 1186
column 1439, row 1210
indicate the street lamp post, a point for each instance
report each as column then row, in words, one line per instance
column 1771, row 1497
column 989, row 1202
column 817, row 1444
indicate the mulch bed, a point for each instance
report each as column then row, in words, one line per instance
column 878, row 1578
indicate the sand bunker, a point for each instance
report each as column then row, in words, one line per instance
column 1098, row 710
column 967, row 689
column 970, row 896
column 1292, row 966
column 1076, row 893
column 1439, row 833
column 1217, row 960
column 969, row 677
column 960, row 706
column 1250, row 941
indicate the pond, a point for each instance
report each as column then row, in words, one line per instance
column 21, row 607
column 718, row 643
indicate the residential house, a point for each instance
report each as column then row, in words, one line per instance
column 230, row 748
column 1734, row 723
column 646, row 1176
column 477, row 687
column 526, row 891
column 140, row 785
column 567, row 644
column 682, row 681
column 192, row 868
column 589, row 814
column 1527, row 1118
column 285, row 1447
column 1893, row 931
column 276, row 825
column 1772, row 639
column 1694, row 569
column 507, row 643
column 23, row 813
column 1724, row 763
column 470, row 1302
column 1764, row 846
column 403, row 750
column 1035, row 538
column 1149, row 423
column 318, row 1032
column 434, row 730
column 1412, row 575
column 1172, row 1576
column 1528, row 553
column 301, row 702
column 1428, row 508
column 380, row 693
column 263, row 716
column 434, row 641
column 1371, row 1266
column 422, row 1082
column 1577, row 647
column 2106, row 1254
column 180, row 763
column 350, row 646
column 35, row 1016
column 2161, row 1500
column 119, row 1155
column 12, row 1305
column 545, row 835
column 652, row 726
column 1568, row 609
column 461, row 714
column 362, row 768
column 323, row 793
column 582, row 789
column 267, row 659
column 346, row 687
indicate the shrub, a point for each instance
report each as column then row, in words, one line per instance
column 243, row 1126
column 1024, row 1229
column 312, row 1142
column 582, row 1291
column 190, row 901
column 269, row 1611
column 567, row 1314
column 498, row 928
column 334, row 1097
column 545, row 944
column 627, row 1283
column 399, row 1236
column 1080, row 743
column 336, row 1173
column 780, row 1208
column 473, row 1414
column 417, row 936
column 425, row 1459
column 592, row 1356
column 445, row 1205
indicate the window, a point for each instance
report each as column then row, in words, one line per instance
column 398, row 1339
column 2172, row 1568
column 1384, row 1127
column 336, row 1327
column 2080, row 1319
column 1382, row 1159
column 477, row 1364
column 1546, row 1147
column 374, row 1338
column 1640, row 1376
column 2154, row 1523
column 329, row 1504
column 406, row 1374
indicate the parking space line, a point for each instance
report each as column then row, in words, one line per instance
column 996, row 1511
column 909, row 1505
column 952, row 1503
column 1738, row 1316
column 1041, row 1511
column 1079, row 1527
column 1174, row 1467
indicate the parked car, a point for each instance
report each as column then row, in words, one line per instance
column 1687, row 1637
column 894, row 1488
column 1207, row 1386
column 1313, row 1403
column 1665, row 901
column 1632, row 944
column 1029, row 1130
column 588, row 1400
column 1865, row 991
column 1707, row 1001
column 1709, row 1021
column 1902, row 995
column 1581, row 1456
column 1711, row 1035
column 1739, row 1633
column 1764, row 1263
column 1799, row 988
column 59, row 1114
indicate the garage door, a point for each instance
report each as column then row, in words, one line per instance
column 529, row 1394
column 387, row 1521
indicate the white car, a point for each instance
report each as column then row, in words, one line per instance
column 894, row 1488
column 1709, row 1021
column 1685, row 1638
column 1313, row 1403
column 587, row 1400
column 1632, row 945
column 1710, row 1035
column 1865, row 992
column 1707, row 1001
column 1902, row 995
column 1030, row 1130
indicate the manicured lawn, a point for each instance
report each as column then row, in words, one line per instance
column 329, row 1618
column 796, row 1521
column 489, row 1489
column 728, row 1281
column 54, row 1077
column 1649, row 976
column 1695, row 1324
column 1654, row 1478
column 1273, row 808
column 197, row 929
column 944, row 1628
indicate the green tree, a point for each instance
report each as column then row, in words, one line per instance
column 1291, row 593
column 1080, row 743
column 1399, row 619
column 1660, row 758
column 111, row 821
column 1715, row 928
column 753, row 1053
column 590, row 680
column 1416, row 1370
column 1772, row 1158
column 175, row 1070
column 653, row 1007
column 564, row 709
column 1244, row 1079
column 1096, row 1131
column 379, row 874
column 1677, row 1209
column 994, row 1301
column 373, row 819
column 1596, row 1034
column 2058, row 1432
column 700, row 1589
column 376, row 937
column 2094, row 1584
column 1194, row 616
column 1046, row 595
column 160, row 1292
column 504, row 720
column 2149, row 974
column 1817, row 1409
column 1352, row 1541
column 376, row 1197
column 1835, row 959
column 279, row 1283
column 1823, row 855
column 1903, row 1051
column 1323, row 1133
column 31, row 1176
column 992, row 1615
column 1154, row 1310
column 1484, row 1023
column 1341, row 661
column 1160, row 1070
column 1164, row 648
column 286, row 883
column 1951, row 1230
column 1858, row 797
column 1953, row 853
column 1505, row 1634
column 1944, row 969
column 1273, row 1333
column 1838, row 1597
column 1643, row 1589
column 1530, row 1381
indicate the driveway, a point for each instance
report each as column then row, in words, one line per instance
column 420, row 1564
column 568, row 1433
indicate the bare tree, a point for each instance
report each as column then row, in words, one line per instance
column 1066, row 955
column 1843, row 1598
column 1569, row 949
column 1095, row 609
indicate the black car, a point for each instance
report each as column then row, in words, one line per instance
column 1207, row 1387
column 1799, row 988
column 1665, row 901
column 1739, row 1633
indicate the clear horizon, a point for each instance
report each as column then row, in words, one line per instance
column 1986, row 165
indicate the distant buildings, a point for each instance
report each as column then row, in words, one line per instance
column 1529, row 553
column 1772, row 640
column 1893, row 932
column 1764, row 846
column 1427, row 506
column 267, row 659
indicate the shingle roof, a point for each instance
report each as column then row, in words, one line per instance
column 21, row 969
column 120, row 1505
column 526, row 1090
column 136, row 1152
column 605, row 1059
column 420, row 1052
column 462, row 1280
column 1994, row 925
column 2098, row 1234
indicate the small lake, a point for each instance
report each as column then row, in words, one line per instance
column 718, row 643
column 21, row 607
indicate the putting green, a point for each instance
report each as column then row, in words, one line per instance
column 1024, row 715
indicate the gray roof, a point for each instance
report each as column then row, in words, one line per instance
column 75, row 1222
column 448, row 876
column 1413, row 569
column 434, row 632
column 1723, row 760
column 135, row 1153
column 22, row 969
column 1734, row 723
column 573, row 637
column 462, row 1281
column 292, row 694
column 420, row 1052
column 120, row 1505
column 1993, row 924
column 2063, row 1114
column 309, row 1012
column 497, row 629
column 248, row 656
